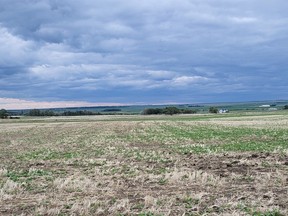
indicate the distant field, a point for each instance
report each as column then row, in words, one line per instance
column 230, row 164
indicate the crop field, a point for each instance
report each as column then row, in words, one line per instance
column 145, row 165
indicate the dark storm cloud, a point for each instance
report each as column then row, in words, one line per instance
column 179, row 51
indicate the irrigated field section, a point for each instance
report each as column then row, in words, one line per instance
column 192, row 165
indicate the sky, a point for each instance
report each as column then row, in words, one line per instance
column 110, row 52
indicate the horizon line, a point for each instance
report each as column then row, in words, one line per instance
column 20, row 104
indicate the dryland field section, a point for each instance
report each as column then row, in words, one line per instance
column 145, row 165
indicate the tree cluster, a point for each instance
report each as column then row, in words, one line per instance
column 167, row 111
column 213, row 110
column 286, row 107
column 3, row 114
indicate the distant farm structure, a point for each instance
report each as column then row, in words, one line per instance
column 221, row 111
column 14, row 117
column 265, row 106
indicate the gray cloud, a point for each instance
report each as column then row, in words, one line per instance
column 77, row 49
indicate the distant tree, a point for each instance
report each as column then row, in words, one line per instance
column 213, row 110
column 167, row 111
column 286, row 107
column 152, row 111
column 3, row 113
column 171, row 110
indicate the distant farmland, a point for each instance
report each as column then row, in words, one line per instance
column 199, row 108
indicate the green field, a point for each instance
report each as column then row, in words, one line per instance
column 203, row 164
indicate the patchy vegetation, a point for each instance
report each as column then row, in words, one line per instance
column 115, row 165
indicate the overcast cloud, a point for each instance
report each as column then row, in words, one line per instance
column 129, row 52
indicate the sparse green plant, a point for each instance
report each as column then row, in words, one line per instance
column 267, row 213
column 138, row 206
column 190, row 202
column 148, row 214
column 162, row 181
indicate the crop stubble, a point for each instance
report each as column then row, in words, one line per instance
column 223, row 166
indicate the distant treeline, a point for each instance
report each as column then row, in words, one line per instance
column 167, row 111
column 148, row 111
column 37, row 112
column 112, row 110
column 79, row 113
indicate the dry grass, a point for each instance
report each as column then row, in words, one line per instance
column 171, row 166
